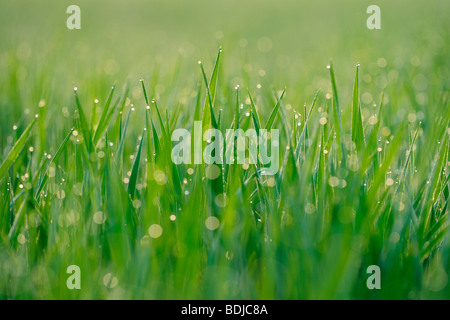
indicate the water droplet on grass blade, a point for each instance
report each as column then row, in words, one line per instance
column 389, row 181
column 110, row 281
column 155, row 231
column 21, row 238
column 212, row 223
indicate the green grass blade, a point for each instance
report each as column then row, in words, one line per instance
column 357, row 127
column 211, row 90
column 16, row 150
column 103, row 118
column 84, row 126
column 274, row 113
column 337, row 114
column 135, row 170
column 54, row 159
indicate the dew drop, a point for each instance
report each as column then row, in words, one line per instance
column 155, row 231
column 212, row 223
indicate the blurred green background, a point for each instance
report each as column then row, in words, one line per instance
column 290, row 41
column 278, row 43
column 122, row 40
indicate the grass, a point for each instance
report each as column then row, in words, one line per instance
column 87, row 177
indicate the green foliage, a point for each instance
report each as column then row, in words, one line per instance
column 364, row 165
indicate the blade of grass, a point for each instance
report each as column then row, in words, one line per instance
column 272, row 116
column 211, row 91
column 135, row 170
column 84, row 126
column 101, row 126
column 357, row 128
column 54, row 159
column 16, row 149
column 337, row 114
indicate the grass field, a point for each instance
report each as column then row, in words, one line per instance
column 86, row 175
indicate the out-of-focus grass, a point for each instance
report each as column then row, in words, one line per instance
column 363, row 187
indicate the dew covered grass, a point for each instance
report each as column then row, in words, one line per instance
column 86, row 175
